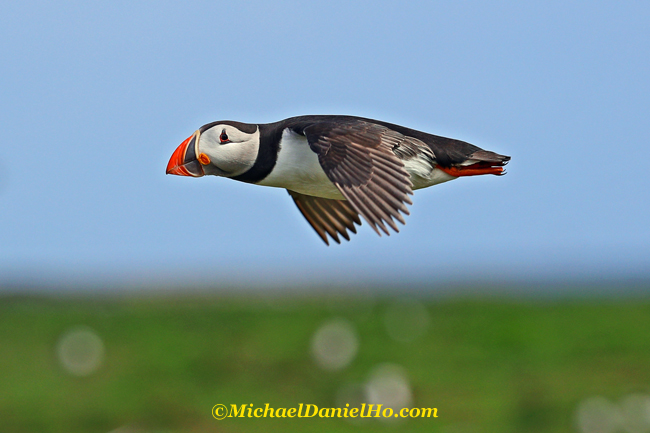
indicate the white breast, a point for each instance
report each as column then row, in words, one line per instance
column 297, row 168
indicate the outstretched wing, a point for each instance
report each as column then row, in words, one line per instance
column 357, row 156
column 327, row 216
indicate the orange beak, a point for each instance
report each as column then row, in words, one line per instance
column 183, row 161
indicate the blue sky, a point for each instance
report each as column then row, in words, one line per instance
column 95, row 97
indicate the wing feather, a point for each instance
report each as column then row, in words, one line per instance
column 358, row 157
column 327, row 216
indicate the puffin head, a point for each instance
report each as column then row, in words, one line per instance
column 223, row 148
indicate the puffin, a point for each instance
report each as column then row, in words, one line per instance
column 335, row 168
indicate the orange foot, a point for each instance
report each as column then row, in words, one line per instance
column 473, row 170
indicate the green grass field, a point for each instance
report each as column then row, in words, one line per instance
column 486, row 365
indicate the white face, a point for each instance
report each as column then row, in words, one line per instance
column 231, row 152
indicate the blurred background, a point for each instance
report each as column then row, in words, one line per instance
column 131, row 301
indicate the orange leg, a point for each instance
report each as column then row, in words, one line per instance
column 471, row 170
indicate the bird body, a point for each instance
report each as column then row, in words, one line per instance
column 334, row 167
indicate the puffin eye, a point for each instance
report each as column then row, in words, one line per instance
column 224, row 137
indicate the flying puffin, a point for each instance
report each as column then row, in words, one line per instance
column 334, row 167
